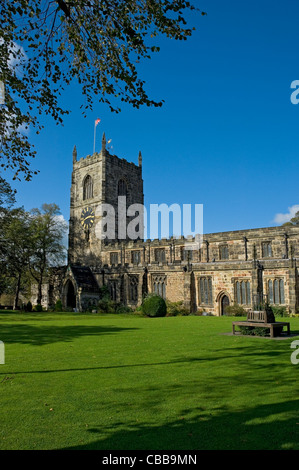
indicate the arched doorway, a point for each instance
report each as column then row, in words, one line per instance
column 224, row 304
column 70, row 295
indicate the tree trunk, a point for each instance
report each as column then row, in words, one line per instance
column 17, row 292
column 39, row 292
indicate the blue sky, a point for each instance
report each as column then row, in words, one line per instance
column 227, row 135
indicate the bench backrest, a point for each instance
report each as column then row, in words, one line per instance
column 258, row 316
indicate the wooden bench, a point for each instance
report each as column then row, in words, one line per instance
column 262, row 319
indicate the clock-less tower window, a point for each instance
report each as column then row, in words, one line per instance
column 87, row 188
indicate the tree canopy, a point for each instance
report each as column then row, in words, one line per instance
column 30, row 244
column 46, row 45
column 294, row 221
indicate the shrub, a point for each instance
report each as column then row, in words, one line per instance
column 58, row 306
column 28, row 307
column 260, row 331
column 235, row 310
column 247, row 330
column 38, row 308
column 176, row 308
column 154, row 306
column 278, row 310
column 123, row 309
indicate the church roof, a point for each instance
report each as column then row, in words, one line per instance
column 84, row 278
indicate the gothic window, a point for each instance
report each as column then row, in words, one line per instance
column 270, row 292
column 281, row 291
column 133, row 288
column 266, row 250
column 223, row 252
column 242, row 292
column 276, row 291
column 135, row 257
column 113, row 258
column 159, row 286
column 186, row 255
column 112, row 286
column 160, row 255
column 87, row 188
column 122, row 188
column 205, row 291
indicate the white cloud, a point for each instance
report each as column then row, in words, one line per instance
column 283, row 218
column 17, row 56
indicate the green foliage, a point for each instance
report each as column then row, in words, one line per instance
column 105, row 303
column 247, row 330
column 259, row 331
column 38, row 308
column 16, row 248
column 48, row 230
column 123, row 309
column 30, row 243
column 28, row 307
column 7, row 194
column 176, row 309
column 97, row 44
column 154, row 306
column 58, row 306
column 279, row 310
column 294, row 221
column 235, row 310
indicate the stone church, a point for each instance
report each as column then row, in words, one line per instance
column 226, row 268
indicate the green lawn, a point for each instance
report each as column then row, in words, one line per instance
column 74, row 381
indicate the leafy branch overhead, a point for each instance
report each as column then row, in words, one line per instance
column 98, row 44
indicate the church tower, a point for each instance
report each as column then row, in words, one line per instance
column 99, row 179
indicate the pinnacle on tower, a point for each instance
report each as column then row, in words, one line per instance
column 140, row 158
column 104, row 143
column 74, row 154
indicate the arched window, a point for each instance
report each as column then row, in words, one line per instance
column 281, row 291
column 238, row 293
column 242, row 292
column 276, row 291
column 159, row 286
column 87, row 188
column 133, row 288
column 270, row 291
column 248, row 293
column 205, row 291
column 122, row 188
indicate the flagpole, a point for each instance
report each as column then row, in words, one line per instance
column 94, row 137
column 94, row 134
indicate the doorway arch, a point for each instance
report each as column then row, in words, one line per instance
column 224, row 303
column 223, row 300
column 70, row 295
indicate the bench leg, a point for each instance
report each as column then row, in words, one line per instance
column 271, row 331
column 233, row 329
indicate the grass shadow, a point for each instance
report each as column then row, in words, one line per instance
column 249, row 429
column 46, row 334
